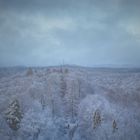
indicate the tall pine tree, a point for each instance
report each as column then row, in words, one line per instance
column 13, row 115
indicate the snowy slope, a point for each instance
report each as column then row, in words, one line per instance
column 61, row 103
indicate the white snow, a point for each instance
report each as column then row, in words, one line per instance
column 59, row 103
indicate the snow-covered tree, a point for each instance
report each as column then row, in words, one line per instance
column 71, row 101
column 79, row 87
column 97, row 119
column 114, row 126
column 36, row 121
column 29, row 72
column 13, row 115
column 63, row 85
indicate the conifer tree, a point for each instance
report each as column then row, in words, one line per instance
column 13, row 115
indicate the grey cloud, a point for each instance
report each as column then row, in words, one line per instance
column 82, row 32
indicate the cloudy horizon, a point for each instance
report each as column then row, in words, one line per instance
column 86, row 33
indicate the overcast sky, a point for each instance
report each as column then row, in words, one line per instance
column 81, row 32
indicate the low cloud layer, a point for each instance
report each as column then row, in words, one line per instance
column 89, row 33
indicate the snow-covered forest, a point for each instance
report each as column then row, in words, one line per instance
column 69, row 103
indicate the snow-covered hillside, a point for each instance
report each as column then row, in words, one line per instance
column 69, row 103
